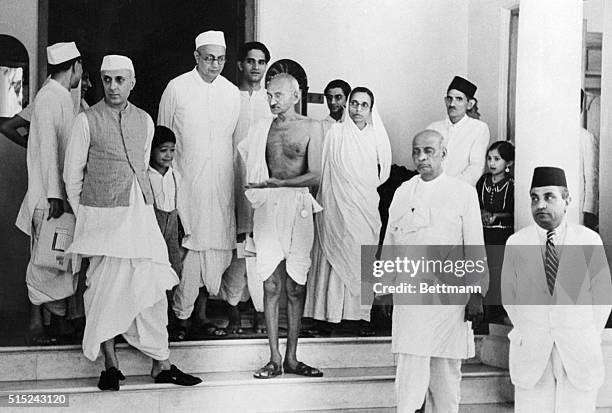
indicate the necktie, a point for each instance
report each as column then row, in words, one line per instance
column 551, row 263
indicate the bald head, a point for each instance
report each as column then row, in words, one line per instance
column 285, row 80
column 283, row 93
column 428, row 153
column 429, row 135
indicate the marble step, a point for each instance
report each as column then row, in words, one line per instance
column 344, row 388
column 65, row 362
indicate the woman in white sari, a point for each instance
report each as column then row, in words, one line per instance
column 356, row 160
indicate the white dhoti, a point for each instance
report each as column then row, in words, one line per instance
column 240, row 282
column 234, row 282
column 127, row 296
column 554, row 392
column 46, row 285
column 200, row 268
column 128, row 275
column 283, row 229
column 435, row 380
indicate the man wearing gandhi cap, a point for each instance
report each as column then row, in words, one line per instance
column 202, row 108
column 46, row 196
column 110, row 193
column 557, row 291
column 466, row 139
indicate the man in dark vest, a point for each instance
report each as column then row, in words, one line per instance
column 110, row 193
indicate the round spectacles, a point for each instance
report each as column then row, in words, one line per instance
column 210, row 59
column 355, row 105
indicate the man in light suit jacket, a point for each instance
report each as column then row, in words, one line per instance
column 557, row 290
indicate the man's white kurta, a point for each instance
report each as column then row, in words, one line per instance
column 52, row 118
column 50, row 127
column 203, row 116
column 127, row 247
column 466, row 143
column 443, row 211
column 328, row 122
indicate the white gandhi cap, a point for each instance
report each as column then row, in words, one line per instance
column 62, row 52
column 210, row 37
column 116, row 62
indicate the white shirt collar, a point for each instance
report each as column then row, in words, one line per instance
column 560, row 231
column 462, row 121
column 155, row 171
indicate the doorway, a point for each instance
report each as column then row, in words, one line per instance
column 158, row 35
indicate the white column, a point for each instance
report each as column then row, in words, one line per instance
column 547, row 97
column 605, row 146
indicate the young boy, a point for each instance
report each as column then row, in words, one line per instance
column 164, row 183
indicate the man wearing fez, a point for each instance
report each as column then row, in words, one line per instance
column 109, row 191
column 202, row 108
column 465, row 138
column 52, row 119
column 431, row 340
column 556, row 289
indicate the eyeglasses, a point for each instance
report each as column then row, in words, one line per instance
column 355, row 105
column 210, row 59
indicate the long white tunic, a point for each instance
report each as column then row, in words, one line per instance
column 50, row 127
column 253, row 107
column 204, row 116
column 466, row 143
column 443, row 211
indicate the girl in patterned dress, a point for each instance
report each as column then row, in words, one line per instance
column 496, row 197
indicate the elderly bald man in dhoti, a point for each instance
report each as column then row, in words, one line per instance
column 109, row 190
column 356, row 160
column 283, row 159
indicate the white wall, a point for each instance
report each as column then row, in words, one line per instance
column 486, row 47
column 405, row 51
column 593, row 13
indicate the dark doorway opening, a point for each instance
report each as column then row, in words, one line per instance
column 158, row 35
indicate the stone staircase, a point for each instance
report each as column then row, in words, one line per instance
column 359, row 374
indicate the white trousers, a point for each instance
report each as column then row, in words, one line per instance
column 554, row 393
column 434, row 380
column 200, row 268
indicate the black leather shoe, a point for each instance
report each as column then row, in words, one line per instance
column 109, row 379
